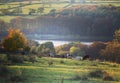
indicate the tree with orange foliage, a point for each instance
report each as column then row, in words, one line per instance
column 117, row 35
column 14, row 41
column 112, row 50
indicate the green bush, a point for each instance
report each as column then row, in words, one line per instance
column 62, row 62
column 16, row 75
column 32, row 59
column 4, row 71
column 3, row 68
column 11, row 75
column 50, row 62
column 76, row 63
column 26, row 58
column 16, row 58
column 80, row 77
column 3, row 58
column 76, row 77
column 96, row 73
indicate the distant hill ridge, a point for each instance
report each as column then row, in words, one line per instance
column 82, row 20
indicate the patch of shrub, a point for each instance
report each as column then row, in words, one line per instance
column 62, row 62
column 50, row 62
column 96, row 73
column 16, row 58
column 3, row 58
column 76, row 77
column 16, row 75
column 76, row 63
column 113, row 65
column 4, row 71
column 26, row 58
column 32, row 59
column 107, row 77
column 84, row 77
column 80, row 77
column 94, row 64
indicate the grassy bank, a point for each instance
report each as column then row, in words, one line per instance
column 53, row 70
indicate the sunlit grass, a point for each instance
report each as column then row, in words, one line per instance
column 47, row 7
column 7, row 18
column 42, row 72
column 26, row 8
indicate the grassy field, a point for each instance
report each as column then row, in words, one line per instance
column 27, row 8
column 67, row 71
column 35, row 5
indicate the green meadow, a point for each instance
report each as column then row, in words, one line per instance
column 56, row 70
column 25, row 6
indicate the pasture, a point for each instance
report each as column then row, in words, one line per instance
column 56, row 70
column 25, row 6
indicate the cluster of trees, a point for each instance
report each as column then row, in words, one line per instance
column 112, row 50
column 44, row 49
column 109, row 51
column 16, row 47
column 15, row 42
column 39, row 10
column 79, row 49
column 93, row 10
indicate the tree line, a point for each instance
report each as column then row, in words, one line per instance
column 16, row 42
column 108, row 51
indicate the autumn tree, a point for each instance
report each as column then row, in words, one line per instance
column 76, row 51
column 117, row 35
column 14, row 41
column 95, row 48
column 112, row 50
column 74, row 48
column 63, row 49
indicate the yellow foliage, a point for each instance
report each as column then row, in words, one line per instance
column 15, row 40
column 117, row 35
column 112, row 51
